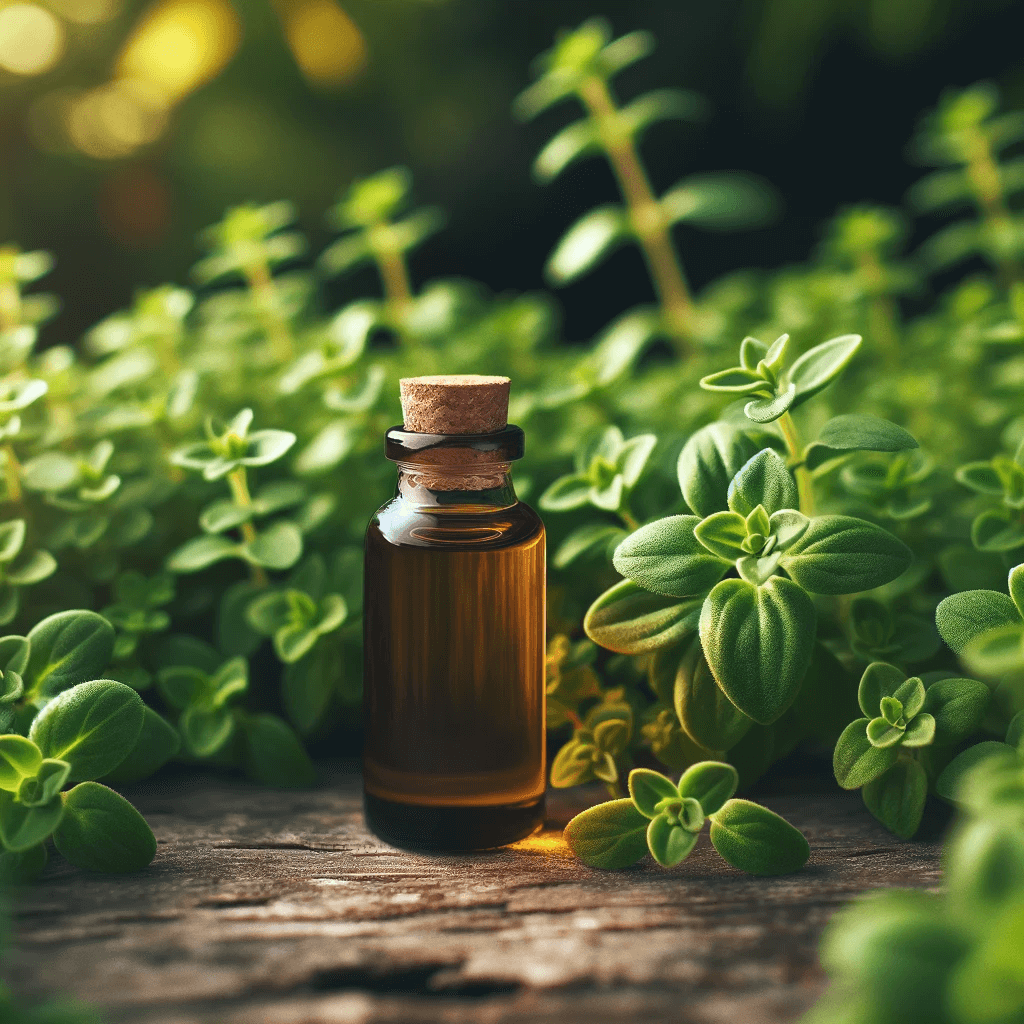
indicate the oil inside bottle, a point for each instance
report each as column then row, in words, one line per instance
column 454, row 671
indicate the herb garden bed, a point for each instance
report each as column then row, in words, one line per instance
column 281, row 907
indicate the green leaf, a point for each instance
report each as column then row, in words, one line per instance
column 14, row 654
column 205, row 728
column 710, row 783
column 881, row 734
column 958, row 706
column 223, row 515
column 855, row 761
column 93, row 726
column 669, row 842
column 996, row 651
column 593, row 237
column 19, row 758
column 631, row 620
column 722, row 533
column 857, row 432
column 666, row 558
column 983, row 867
column 308, row 687
column 23, row 827
column 897, row 798
column 67, row 648
column 633, row 457
column 986, row 987
column 758, row 642
column 707, row 716
column 736, row 380
column 994, row 531
column 567, row 492
column 45, row 784
column 573, row 765
column 920, row 732
column 266, row 446
column 12, row 537
column 1015, row 584
column 648, row 789
column 962, row 617
column 954, row 776
column 202, row 552
column 158, row 742
column 610, row 835
column 277, row 547
column 980, row 477
column 591, row 540
column 879, row 680
column 708, row 462
column 101, row 831
column 294, row 641
column 51, row 471
column 819, row 366
column 763, row 480
column 844, row 555
column 765, row 410
column 577, row 140
column 721, row 201
column 756, row 840
column 275, row 756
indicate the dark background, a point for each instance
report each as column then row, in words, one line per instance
column 818, row 96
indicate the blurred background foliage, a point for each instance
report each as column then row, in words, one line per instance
column 128, row 125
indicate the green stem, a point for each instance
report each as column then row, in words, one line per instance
column 12, row 474
column 394, row 275
column 805, row 486
column 882, row 311
column 239, row 484
column 264, row 292
column 645, row 213
column 631, row 522
column 983, row 174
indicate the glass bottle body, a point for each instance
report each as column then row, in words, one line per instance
column 454, row 657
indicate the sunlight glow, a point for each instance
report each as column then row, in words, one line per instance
column 179, row 45
column 31, row 39
column 325, row 41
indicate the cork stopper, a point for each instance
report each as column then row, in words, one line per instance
column 466, row 403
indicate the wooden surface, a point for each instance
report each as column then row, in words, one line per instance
column 268, row 907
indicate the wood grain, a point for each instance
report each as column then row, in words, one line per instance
column 266, row 907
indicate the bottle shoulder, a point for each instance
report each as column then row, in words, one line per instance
column 399, row 523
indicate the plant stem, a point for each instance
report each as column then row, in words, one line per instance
column 394, row 274
column 10, row 306
column 12, row 474
column 645, row 213
column 882, row 311
column 805, row 485
column 239, row 484
column 614, row 790
column 983, row 174
column 631, row 522
column 264, row 291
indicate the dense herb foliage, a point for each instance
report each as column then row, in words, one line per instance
column 756, row 544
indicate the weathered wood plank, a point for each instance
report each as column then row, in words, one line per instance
column 278, row 907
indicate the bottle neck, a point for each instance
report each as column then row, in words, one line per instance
column 463, row 489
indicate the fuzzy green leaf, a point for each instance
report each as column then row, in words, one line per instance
column 275, row 756
column 897, row 798
column 101, row 831
column 669, row 842
column 67, row 648
column 844, row 555
column 158, row 742
column 855, row 761
column 631, row 620
column 962, row 617
column 22, row 827
column 857, row 432
column 19, row 759
column 763, row 480
column 722, row 533
column 611, row 835
column 756, row 840
column 93, row 726
column 710, row 783
column 665, row 557
column 819, row 366
column 709, row 461
column 758, row 642
column 593, row 237
column 958, row 706
column 706, row 714
column 647, row 789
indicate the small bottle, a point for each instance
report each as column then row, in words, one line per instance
column 454, row 628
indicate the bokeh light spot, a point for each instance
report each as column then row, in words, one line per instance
column 326, row 42
column 31, row 39
column 179, row 45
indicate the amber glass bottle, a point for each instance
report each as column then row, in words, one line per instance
column 454, row 629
